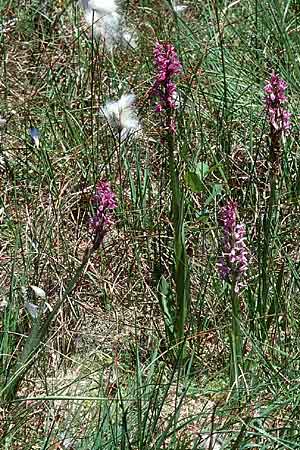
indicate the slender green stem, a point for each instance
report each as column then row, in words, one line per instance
column 182, row 284
column 269, row 223
column 236, row 341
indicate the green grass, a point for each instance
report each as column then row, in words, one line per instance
column 104, row 375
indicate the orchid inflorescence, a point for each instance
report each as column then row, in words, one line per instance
column 233, row 262
column 167, row 66
column 105, row 201
column 278, row 117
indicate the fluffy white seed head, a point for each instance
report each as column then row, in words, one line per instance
column 107, row 27
column 122, row 116
column 107, row 23
column 179, row 9
column 103, row 7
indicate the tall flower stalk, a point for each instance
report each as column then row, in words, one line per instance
column 232, row 266
column 278, row 118
column 167, row 66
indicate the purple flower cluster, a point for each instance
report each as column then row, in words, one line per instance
column 275, row 97
column 167, row 66
column 233, row 263
column 105, row 202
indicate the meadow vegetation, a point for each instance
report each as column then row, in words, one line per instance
column 149, row 225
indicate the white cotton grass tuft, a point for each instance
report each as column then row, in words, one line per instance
column 102, row 7
column 179, row 9
column 107, row 24
column 121, row 116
